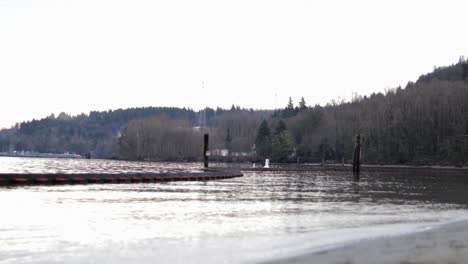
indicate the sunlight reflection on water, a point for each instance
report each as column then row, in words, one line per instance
column 46, row 165
column 203, row 221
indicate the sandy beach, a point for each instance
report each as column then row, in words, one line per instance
column 446, row 243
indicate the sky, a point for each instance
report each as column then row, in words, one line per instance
column 76, row 56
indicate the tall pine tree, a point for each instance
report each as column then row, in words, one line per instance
column 281, row 143
column 263, row 140
column 302, row 104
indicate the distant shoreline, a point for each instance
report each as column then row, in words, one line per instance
column 40, row 155
column 337, row 166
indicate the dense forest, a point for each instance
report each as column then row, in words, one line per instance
column 425, row 122
column 102, row 134
column 83, row 134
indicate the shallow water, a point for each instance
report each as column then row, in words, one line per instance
column 250, row 219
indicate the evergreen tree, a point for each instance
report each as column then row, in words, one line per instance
column 290, row 104
column 263, row 140
column 280, row 127
column 302, row 104
column 282, row 144
column 289, row 111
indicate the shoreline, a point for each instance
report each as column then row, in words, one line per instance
column 337, row 166
column 438, row 243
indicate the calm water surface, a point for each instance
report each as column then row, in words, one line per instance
column 243, row 220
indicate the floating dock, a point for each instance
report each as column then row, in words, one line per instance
column 89, row 178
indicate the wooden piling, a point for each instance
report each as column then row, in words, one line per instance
column 205, row 150
column 357, row 156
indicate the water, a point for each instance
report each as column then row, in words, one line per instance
column 39, row 165
column 242, row 220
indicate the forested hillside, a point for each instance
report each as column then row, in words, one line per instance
column 98, row 133
column 425, row 122
column 422, row 123
column 164, row 138
column 95, row 133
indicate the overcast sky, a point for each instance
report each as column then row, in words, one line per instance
column 81, row 55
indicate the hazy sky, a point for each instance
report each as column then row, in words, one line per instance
column 81, row 55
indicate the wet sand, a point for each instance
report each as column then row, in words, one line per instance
column 447, row 243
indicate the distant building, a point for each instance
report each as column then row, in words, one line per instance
column 219, row 152
column 242, row 154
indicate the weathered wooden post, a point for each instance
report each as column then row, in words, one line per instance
column 357, row 156
column 205, row 150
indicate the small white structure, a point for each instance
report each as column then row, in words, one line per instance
column 219, row 152
column 267, row 163
column 224, row 152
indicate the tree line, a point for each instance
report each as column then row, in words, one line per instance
column 95, row 133
column 425, row 122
